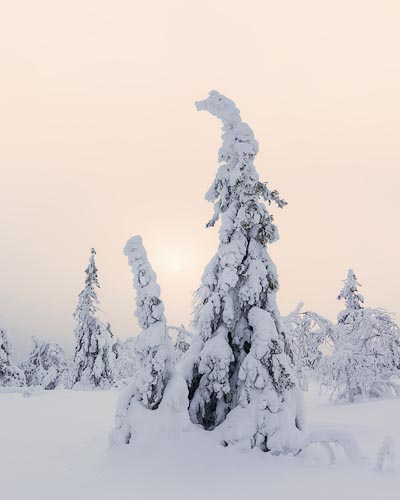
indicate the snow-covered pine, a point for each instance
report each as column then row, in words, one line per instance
column 242, row 376
column 366, row 350
column 10, row 374
column 45, row 366
column 153, row 348
column 353, row 300
column 93, row 361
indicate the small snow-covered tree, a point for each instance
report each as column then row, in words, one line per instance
column 353, row 312
column 32, row 366
column 385, row 343
column 45, row 366
column 366, row 350
column 310, row 333
column 124, row 366
column 242, row 375
column 93, row 360
column 10, row 374
column 153, row 348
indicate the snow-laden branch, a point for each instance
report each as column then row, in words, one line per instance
column 328, row 437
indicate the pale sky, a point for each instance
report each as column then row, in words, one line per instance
column 100, row 140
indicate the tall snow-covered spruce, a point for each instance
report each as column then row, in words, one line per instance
column 242, row 381
column 93, row 360
column 153, row 349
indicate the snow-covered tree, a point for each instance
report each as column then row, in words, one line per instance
column 149, row 306
column 93, row 360
column 45, row 366
column 310, row 334
column 124, row 353
column 153, row 348
column 242, row 376
column 366, row 350
column 353, row 301
column 10, row 374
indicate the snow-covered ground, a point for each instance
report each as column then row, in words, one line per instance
column 54, row 445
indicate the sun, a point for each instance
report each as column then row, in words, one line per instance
column 176, row 267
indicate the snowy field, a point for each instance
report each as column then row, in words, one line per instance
column 54, row 445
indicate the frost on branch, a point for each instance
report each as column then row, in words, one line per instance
column 224, row 380
column 10, row 374
column 93, row 360
column 153, row 349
